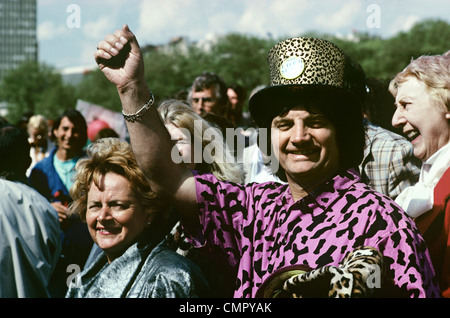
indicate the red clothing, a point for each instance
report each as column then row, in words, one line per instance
column 435, row 225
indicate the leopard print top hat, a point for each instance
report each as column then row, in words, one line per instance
column 298, row 66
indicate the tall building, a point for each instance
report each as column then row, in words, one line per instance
column 18, row 33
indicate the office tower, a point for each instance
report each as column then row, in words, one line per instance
column 18, row 20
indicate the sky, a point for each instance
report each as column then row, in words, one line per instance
column 69, row 30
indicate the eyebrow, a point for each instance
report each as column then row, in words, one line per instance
column 312, row 116
column 403, row 99
column 112, row 202
column 277, row 120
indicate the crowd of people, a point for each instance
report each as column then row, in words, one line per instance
column 308, row 196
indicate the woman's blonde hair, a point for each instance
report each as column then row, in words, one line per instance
column 38, row 122
column 110, row 155
column 221, row 163
column 434, row 72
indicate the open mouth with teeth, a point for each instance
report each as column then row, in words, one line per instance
column 107, row 231
column 303, row 152
column 412, row 135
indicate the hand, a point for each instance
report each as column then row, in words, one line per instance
column 61, row 209
column 119, row 57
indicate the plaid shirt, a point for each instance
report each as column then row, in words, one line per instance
column 389, row 165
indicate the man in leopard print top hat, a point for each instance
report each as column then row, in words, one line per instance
column 320, row 215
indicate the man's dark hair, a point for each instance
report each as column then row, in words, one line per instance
column 77, row 119
column 240, row 91
column 15, row 150
column 208, row 80
column 348, row 124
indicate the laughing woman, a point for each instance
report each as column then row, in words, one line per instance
column 422, row 101
column 123, row 217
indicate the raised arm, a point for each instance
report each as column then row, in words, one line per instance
column 120, row 59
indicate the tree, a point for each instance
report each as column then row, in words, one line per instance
column 383, row 58
column 241, row 59
column 35, row 88
column 168, row 73
column 236, row 58
column 96, row 89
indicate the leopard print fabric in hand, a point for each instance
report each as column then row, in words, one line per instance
column 366, row 266
column 357, row 276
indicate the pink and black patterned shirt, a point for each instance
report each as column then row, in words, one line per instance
column 262, row 229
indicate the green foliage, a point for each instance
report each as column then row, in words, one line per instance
column 96, row 89
column 384, row 58
column 169, row 73
column 241, row 59
column 36, row 88
column 238, row 58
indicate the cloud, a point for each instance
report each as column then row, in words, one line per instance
column 86, row 55
column 404, row 23
column 343, row 17
column 49, row 30
column 156, row 21
column 263, row 17
column 160, row 20
column 97, row 29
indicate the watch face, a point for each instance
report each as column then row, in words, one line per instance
column 272, row 287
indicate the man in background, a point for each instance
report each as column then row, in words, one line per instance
column 30, row 243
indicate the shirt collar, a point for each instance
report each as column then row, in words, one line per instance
column 435, row 166
column 325, row 194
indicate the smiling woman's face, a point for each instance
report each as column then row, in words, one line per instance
column 114, row 216
column 183, row 143
column 424, row 124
